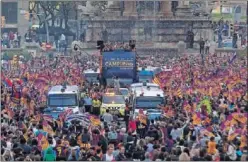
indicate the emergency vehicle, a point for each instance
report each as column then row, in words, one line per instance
column 114, row 102
column 147, row 97
column 61, row 98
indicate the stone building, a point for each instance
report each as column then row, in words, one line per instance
column 152, row 24
column 14, row 20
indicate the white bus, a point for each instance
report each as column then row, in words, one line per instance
column 61, row 98
column 147, row 97
column 91, row 75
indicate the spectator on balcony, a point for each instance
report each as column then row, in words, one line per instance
column 11, row 38
column 15, row 43
column 5, row 40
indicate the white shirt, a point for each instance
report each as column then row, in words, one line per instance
column 207, row 44
column 15, row 37
column 109, row 157
column 231, row 152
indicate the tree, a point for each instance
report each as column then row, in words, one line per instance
column 100, row 5
column 69, row 8
column 49, row 9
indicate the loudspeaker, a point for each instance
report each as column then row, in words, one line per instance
column 132, row 44
column 100, row 44
column 75, row 47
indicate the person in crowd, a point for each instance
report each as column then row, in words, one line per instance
column 107, row 117
column 234, row 40
column 96, row 104
column 109, row 155
column 202, row 44
column 117, row 84
column 87, row 103
column 185, row 131
column 121, row 156
column 207, row 46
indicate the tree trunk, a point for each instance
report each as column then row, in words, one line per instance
column 66, row 23
column 53, row 20
column 61, row 23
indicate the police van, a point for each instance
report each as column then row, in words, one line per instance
column 61, row 98
column 147, row 97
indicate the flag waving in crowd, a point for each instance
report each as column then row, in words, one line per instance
column 202, row 116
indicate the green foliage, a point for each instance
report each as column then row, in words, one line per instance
column 100, row 4
column 207, row 103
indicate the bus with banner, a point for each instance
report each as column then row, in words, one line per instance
column 119, row 63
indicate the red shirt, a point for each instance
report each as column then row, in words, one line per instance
column 132, row 125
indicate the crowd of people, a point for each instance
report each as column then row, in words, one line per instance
column 204, row 115
column 115, row 46
column 10, row 40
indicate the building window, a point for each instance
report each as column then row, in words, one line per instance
column 9, row 10
column 148, row 7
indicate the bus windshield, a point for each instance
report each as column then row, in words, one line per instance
column 62, row 100
column 91, row 75
column 148, row 102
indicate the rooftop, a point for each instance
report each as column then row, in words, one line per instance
column 58, row 89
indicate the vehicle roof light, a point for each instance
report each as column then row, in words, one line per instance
column 110, row 94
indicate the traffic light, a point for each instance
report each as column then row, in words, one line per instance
column 2, row 21
column 27, row 15
column 231, row 27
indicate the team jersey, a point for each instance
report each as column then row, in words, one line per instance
column 61, row 151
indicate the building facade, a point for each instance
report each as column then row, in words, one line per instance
column 12, row 11
column 153, row 22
